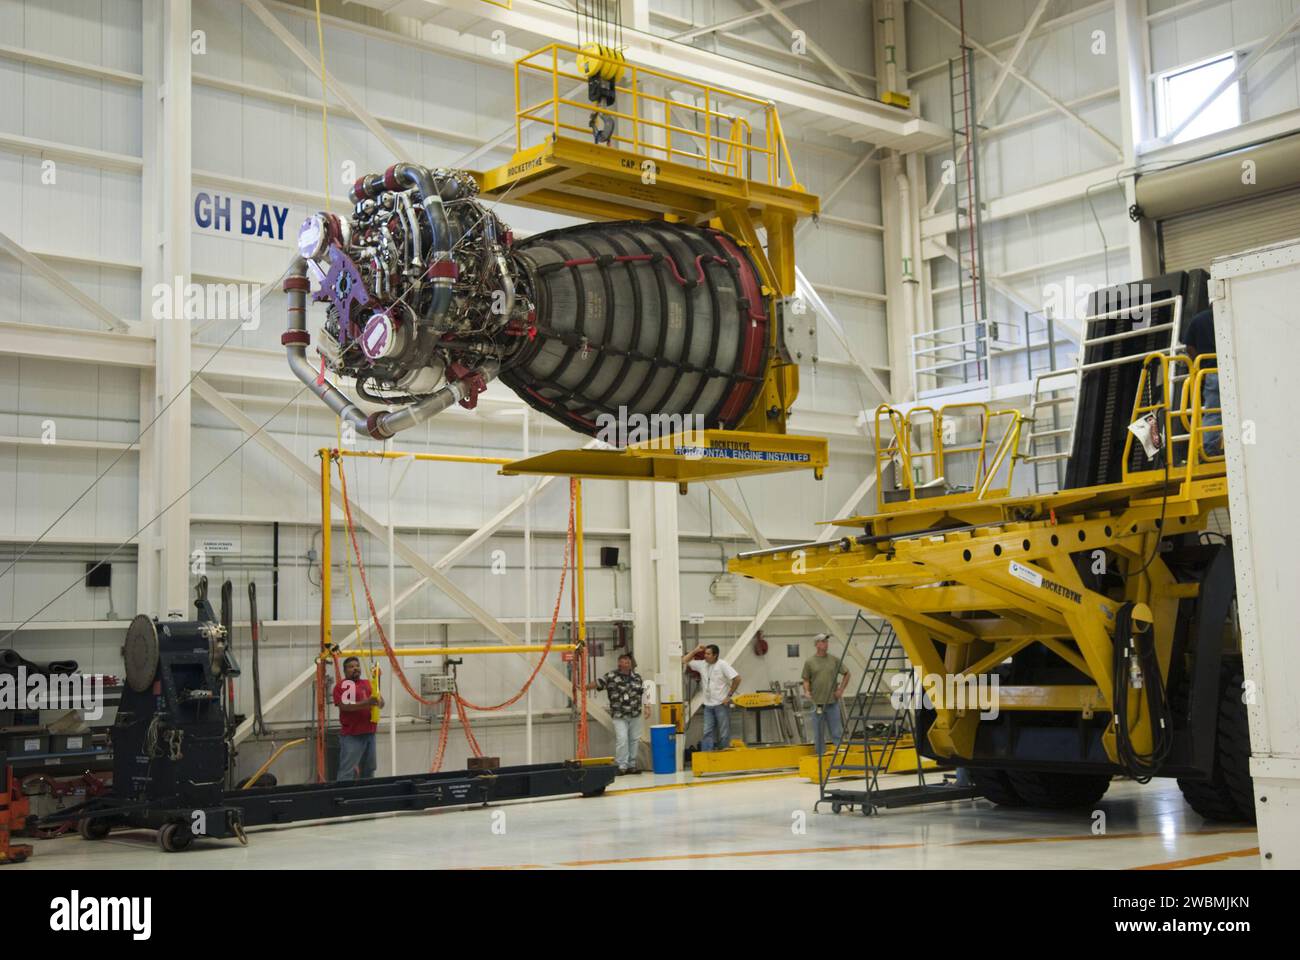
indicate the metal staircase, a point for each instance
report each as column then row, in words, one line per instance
column 1055, row 395
column 879, row 740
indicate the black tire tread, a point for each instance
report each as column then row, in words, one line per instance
column 1051, row 790
column 1229, row 794
column 995, row 785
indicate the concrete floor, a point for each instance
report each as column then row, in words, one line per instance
column 677, row 822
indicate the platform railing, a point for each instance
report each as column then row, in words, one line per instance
column 896, row 441
column 1171, row 389
column 720, row 138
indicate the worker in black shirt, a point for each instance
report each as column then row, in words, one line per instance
column 1199, row 339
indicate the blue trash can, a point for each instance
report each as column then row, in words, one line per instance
column 662, row 749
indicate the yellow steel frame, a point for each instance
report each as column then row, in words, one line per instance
column 986, row 576
column 328, row 456
column 612, row 182
column 740, row 758
column 681, row 459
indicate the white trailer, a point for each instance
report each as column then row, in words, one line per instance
column 1256, row 297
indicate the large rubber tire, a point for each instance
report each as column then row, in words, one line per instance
column 1229, row 793
column 93, row 828
column 174, row 837
column 1050, row 790
column 995, row 785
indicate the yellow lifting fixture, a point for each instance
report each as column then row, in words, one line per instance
column 708, row 157
column 969, row 576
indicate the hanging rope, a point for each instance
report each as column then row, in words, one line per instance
column 459, row 702
column 550, row 635
column 443, row 731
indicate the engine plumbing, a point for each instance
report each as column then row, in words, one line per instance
column 428, row 297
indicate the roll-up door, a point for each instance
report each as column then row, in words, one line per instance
column 1194, row 239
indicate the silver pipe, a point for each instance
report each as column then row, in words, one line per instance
column 387, row 424
column 335, row 399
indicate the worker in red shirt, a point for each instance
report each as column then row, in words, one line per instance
column 354, row 698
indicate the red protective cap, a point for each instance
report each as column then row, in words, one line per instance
column 296, row 283
column 372, row 426
column 443, row 268
column 358, row 189
column 295, row 337
column 390, row 178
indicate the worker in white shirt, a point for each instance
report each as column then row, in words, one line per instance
column 720, row 681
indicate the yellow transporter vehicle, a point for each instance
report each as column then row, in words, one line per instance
column 1102, row 617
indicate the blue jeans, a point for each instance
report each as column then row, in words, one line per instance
column 356, row 751
column 1212, row 443
column 627, row 737
column 829, row 722
column 717, row 727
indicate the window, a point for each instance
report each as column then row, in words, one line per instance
column 1179, row 92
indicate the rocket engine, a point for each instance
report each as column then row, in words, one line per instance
column 430, row 296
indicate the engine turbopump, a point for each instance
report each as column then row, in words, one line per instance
column 430, row 297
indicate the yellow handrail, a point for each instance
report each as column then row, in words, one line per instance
column 1186, row 451
column 713, row 107
column 902, row 427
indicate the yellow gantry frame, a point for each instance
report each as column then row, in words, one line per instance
column 327, row 456
column 988, row 576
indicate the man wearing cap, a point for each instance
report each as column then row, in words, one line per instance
column 824, row 680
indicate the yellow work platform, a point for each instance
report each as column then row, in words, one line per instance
column 600, row 182
column 684, row 458
column 903, row 761
column 739, row 758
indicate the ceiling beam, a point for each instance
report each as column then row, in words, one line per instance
column 1003, row 72
column 814, row 47
column 1066, row 111
column 313, row 63
column 735, row 21
column 66, row 287
column 878, row 122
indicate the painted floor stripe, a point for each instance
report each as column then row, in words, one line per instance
column 1197, row 861
column 668, row 858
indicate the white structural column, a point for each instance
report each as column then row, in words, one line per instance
column 656, row 588
column 170, row 448
column 899, row 203
column 147, row 585
column 1135, row 127
column 636, row 14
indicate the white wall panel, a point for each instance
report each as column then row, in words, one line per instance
column 94, row 214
